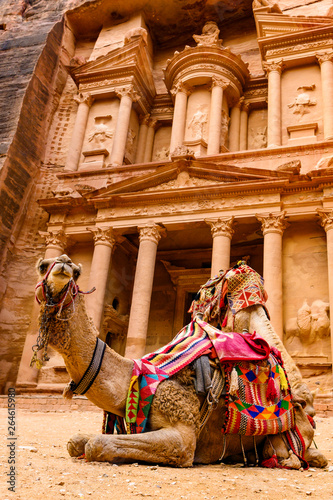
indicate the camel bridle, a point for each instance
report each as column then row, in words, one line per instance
column 71, row 290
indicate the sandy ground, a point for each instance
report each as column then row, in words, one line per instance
column 45, row 470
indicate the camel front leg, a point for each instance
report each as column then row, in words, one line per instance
column 171, row 446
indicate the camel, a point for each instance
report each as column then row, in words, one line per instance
column 173, row 434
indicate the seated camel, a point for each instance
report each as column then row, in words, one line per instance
column 174, row 434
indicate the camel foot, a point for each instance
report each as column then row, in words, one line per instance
column 315, row 458
column 76, row 445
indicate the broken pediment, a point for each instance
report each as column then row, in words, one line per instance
column 280, row 35
column 131, row 60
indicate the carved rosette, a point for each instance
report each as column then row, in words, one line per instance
column 55, row 239
column 103, row 236
column 326, row 56
column 273, row 223
column 221, row 227
column 326, row 219
column 151, row 233
column 84, row 99
column 277, row 66
column 128, row 92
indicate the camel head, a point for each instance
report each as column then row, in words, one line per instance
column 56, row 274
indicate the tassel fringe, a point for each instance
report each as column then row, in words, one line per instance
column 283, row 380
column 68, row 393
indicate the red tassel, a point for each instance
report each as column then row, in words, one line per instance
column 271, row 393
column 224, row 321
column 271, row 462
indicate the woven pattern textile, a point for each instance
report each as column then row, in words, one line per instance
column 252, row 410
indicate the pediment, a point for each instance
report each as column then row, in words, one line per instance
column 274, row 24
column 189, row 176
column 130, row 59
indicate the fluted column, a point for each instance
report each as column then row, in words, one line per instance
column 127, row 96
column 56, row 242
column 215, row 116
column 104, row 243
column 142, row 289
column 326, row 70
column 274, row 70
column 326, row 221
column 244, row 115
column 142, row 139
column 180, row 91
column 234, row 129
column 75, row 148
column 273, row 226
column 150, row 140
column 222, row 233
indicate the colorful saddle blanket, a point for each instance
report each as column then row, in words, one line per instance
column 194, row 340
column 260, row 401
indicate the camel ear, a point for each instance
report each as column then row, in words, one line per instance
column 298, row 401
column 76, row 271
column 43, row 265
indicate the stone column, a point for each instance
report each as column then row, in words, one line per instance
column 142, row 139
column 274, row 70
column 215, row 120
column 273, row 226
column 243, row 126
column 150, row 140
column 142, row 289
column 234, row 129
column 180, row 91
column 75, row 148
column 27, row 377
column 222, row 233
column 326, row 69
column 104, row 243
column 127, row 96
column 326, row 221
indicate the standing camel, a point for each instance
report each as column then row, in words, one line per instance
column 173, row 434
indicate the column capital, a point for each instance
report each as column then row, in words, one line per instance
column 55, row 239
column 152, row 123
column 239, row 103
column 326, row 218
column 326, row 56
column 221, row 227
column 84, row 99
column 144, row 119
column 181, row 87
column 245, row 106
column 273, row 223
column 219, row 82
column 103, row 236
column 128, row 91
column 277, row 66
column 151, row 232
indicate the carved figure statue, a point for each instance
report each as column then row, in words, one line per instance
column 303, row 101
column 162, row 154
column 311, row 324
column 198, row 123
column 101, row 131
column 174, row 434
column 259, row 138
column 130, row 141
column 210, row 35
column 224, row 127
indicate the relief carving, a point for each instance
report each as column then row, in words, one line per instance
column 162, row 154
column 101, row 131
column 224, row 127
column 198, row 123
column 303, row 101
column 259, row 138
column 311, row 324
column 210, row 36
column 134, row 34
column 130, row 142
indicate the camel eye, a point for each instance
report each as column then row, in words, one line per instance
column 76, row 272
column 43, row 267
